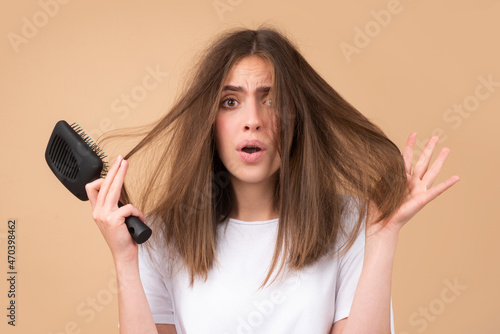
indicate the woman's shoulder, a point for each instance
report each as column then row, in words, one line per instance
column 350, row 226
column 156, row 247
column 350, row 209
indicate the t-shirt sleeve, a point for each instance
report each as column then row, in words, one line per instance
column 349, row 271
column 155, row 288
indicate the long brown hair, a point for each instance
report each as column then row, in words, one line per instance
column 328, row 150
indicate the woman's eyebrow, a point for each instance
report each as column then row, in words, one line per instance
column 260, row 89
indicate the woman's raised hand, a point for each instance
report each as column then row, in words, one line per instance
column 104, row 195
column 419, row 183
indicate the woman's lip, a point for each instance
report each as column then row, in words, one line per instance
column 251, row 143
column 251, row 157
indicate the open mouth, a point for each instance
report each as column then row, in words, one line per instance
column 251, row 149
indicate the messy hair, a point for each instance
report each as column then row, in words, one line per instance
column 328, row 149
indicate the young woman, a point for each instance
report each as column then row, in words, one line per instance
column 275, row 205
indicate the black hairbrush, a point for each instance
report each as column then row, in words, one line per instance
column 76, row 160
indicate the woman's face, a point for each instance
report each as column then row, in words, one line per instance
column 244, row 125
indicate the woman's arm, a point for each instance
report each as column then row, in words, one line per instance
column 166, row 329
column 133, row 309
column 370, row 310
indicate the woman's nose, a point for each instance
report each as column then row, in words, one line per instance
column 254, row 126
column 253, row 119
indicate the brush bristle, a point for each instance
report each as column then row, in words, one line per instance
column 93, row 146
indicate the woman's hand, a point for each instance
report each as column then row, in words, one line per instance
column 371, row 307
column 104, row 195
column 420, row 189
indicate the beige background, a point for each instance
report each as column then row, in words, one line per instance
column 84, row 55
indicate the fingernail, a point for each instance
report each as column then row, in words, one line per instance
column 118, row 160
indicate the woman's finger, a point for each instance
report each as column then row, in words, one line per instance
column 440, row 188
column 108, row 181
column 92, row 190
column 130, row 210
column 115, row 189
column 432, row 173
column 423, row 162
column 408, row 152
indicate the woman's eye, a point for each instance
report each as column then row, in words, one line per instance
column 268, row 102
column 229, row 103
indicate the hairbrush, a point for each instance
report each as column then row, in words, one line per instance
column 77, row 160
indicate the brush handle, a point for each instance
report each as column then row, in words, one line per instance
column 139, row 231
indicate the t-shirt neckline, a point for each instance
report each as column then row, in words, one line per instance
column 256, row 222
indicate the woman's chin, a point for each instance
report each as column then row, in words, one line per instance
column 253, row 178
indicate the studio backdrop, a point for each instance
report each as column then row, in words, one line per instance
column 425, row 66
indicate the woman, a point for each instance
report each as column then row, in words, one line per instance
column 275, row 205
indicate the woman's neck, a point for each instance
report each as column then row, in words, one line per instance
column 254, row 201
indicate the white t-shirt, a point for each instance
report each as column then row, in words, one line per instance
column 229, row 301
